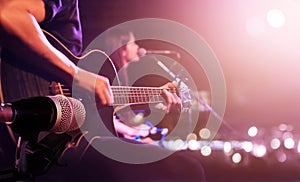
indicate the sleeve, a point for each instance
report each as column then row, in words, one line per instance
column 62, row 20
column 52, row 8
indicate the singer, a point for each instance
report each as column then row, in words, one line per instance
column 31, row 59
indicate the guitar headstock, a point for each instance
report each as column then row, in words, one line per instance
column 186, row 98
column 190, row 99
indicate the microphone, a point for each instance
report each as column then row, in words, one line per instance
column 143, row 52
column 56, row 114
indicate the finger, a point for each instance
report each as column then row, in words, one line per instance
column 169, row 100
column 175, row 102
column 169, row 85
column 109, row 96
column 101, row 96
column 104, row 92
column 178, row 102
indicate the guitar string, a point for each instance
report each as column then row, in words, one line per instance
column 137, row 95
column 141, row 89
column 131, row 95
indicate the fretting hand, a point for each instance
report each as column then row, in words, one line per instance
column 173, row 101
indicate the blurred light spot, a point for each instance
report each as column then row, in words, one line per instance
column 275, row 18
column 247, row 146
column 204, row 133
column 169, row 144
column 206, row 150
column 281, row 156
column 138, row 118
column 164, row 131
column 289, row 143
column 176, row 144
column 275, row 143
column 193, row 145
column 191, row 136
column 227, row 147
column 298, row 148
column 252, row 132
column 236, row 158
column 259, row 150
column 282, row 127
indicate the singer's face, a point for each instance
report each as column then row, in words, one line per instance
column 132, row 50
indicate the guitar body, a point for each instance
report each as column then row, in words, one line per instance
column 19, row 80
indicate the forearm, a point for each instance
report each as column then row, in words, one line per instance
column 19, row 20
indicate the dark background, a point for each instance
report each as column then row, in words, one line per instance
column 261, row 70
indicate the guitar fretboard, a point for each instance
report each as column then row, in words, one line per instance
column 124, row 95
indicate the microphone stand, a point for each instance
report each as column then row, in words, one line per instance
column 184, row 90
column 20, row 171
column 34, row 158
column 187, row 99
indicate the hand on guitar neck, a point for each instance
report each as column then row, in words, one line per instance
column 173, row 101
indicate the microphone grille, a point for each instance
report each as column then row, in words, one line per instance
column 64, row 112
column 142, row 52
column 79, row 115
column 70, row 114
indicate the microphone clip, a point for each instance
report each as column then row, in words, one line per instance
column 35, row 158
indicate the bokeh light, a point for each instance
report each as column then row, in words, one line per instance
column 252, row 132
column 275, row 18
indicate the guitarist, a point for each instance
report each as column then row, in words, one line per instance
column 30, row 61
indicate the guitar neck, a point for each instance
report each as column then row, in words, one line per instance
column 124, row 95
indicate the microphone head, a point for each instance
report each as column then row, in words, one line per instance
column 79, row 114
column 142, row 52
column 70, row 114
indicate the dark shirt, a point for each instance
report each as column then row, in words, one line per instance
column 62, row 20
column 20, row 79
